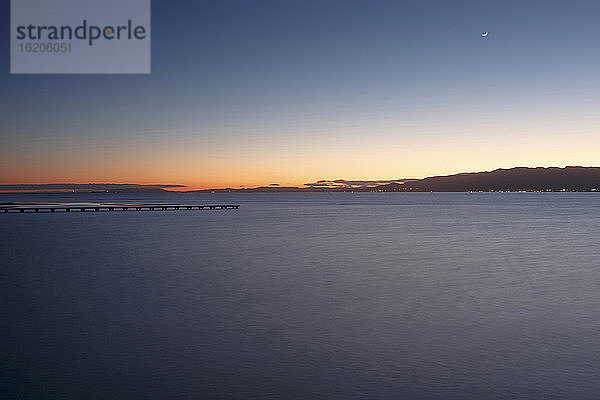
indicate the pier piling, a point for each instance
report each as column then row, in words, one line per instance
column 107, row 207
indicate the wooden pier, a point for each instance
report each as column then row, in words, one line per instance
column 106, row 207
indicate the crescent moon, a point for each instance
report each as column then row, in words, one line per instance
column 484, row 34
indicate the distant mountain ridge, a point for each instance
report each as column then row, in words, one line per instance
column 554, row 179
column 544, row 179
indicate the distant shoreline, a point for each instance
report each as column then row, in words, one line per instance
column 512, row 180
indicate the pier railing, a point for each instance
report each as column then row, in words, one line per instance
column 104, row 207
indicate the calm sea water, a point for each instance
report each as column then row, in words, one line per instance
column 299, row 296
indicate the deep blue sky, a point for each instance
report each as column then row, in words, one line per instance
column 250, row 92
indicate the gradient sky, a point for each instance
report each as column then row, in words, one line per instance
column 257, row 92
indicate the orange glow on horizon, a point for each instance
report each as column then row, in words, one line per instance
column 295, row 160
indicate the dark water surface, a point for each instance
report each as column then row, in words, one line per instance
column 298, row 296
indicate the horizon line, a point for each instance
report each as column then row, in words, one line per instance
column 320, row 185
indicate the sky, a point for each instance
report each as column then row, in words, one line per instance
column 253, row 92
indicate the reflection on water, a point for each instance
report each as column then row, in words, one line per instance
column 371, row 295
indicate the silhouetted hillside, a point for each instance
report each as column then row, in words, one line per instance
column 580, row 179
